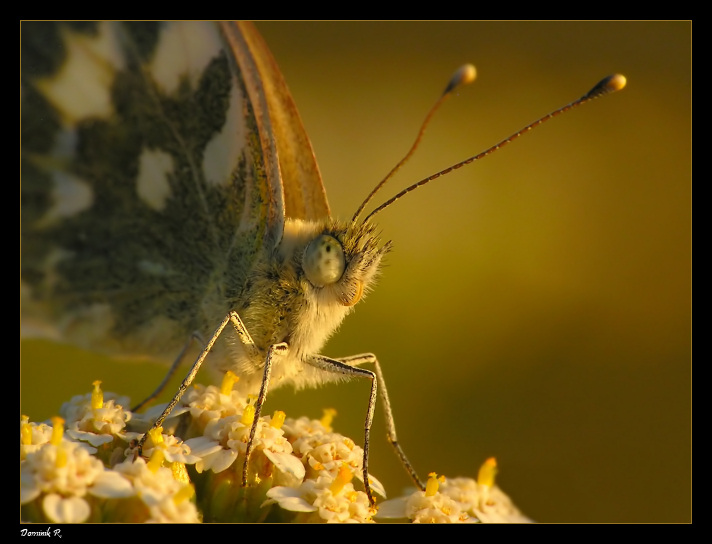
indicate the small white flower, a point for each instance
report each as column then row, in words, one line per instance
column 325, row 499
column 32, row 436
column 67, row 469
column 159, row 490
column 487, row 503
column 324, row 451
column 321, row 449
column 97, row 417
column 225, row 439
column 419, row 507
column 429, row 506
column 63, row 475
column 208, row 403
column 96, row 412
column 455, row 500
column 438, row 508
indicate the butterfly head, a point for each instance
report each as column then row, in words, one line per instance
column 341, row 261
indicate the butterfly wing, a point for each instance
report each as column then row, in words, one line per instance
column 304, row 193
column 150, row 179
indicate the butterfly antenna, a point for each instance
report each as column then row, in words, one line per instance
column 607, row 85
column 464, row 75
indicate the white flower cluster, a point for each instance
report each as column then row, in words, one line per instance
column 299, row 470
column 87, row 474
column 456, row 500
column 299, row 465
column 331, row 461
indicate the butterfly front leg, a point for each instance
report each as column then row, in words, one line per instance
column 348, row 366
column 245, row 339
column 370, row 358
column 273, row 351
column 252, row 352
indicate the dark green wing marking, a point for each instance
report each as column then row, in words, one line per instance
column 147, row 192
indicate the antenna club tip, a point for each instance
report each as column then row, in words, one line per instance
column 467, row 73
column 616, row 82
column 464, row 75
column 607, row 85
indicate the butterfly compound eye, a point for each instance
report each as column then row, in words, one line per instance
column 324, row 261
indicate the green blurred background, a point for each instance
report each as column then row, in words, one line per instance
column 537, row 305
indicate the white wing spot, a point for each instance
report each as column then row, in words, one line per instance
column 81, row 89
column 70, row 196
column 153, row 268
column 152, row 185
column 223, row 151
column 184, row 48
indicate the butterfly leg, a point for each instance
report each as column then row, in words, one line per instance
column 195, row 337
column 274, row 350
column 347, row 366
column 245, row 338
column 370, row 358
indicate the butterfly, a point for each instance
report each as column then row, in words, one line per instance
column 170, row 197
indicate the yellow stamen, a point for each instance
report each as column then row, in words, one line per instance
column 327, row 418
column 156, row 436
column 156, row 460
column 487, row 472
column 57, row 431
column 97, row 396
column 342, row 478
column 228, row 381
column 179, row 471
column 433, row 484
column 25, row 431
column 278, row 419
column 248, row 415
column 185, row 493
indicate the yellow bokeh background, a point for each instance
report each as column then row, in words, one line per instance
column 537, row 304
